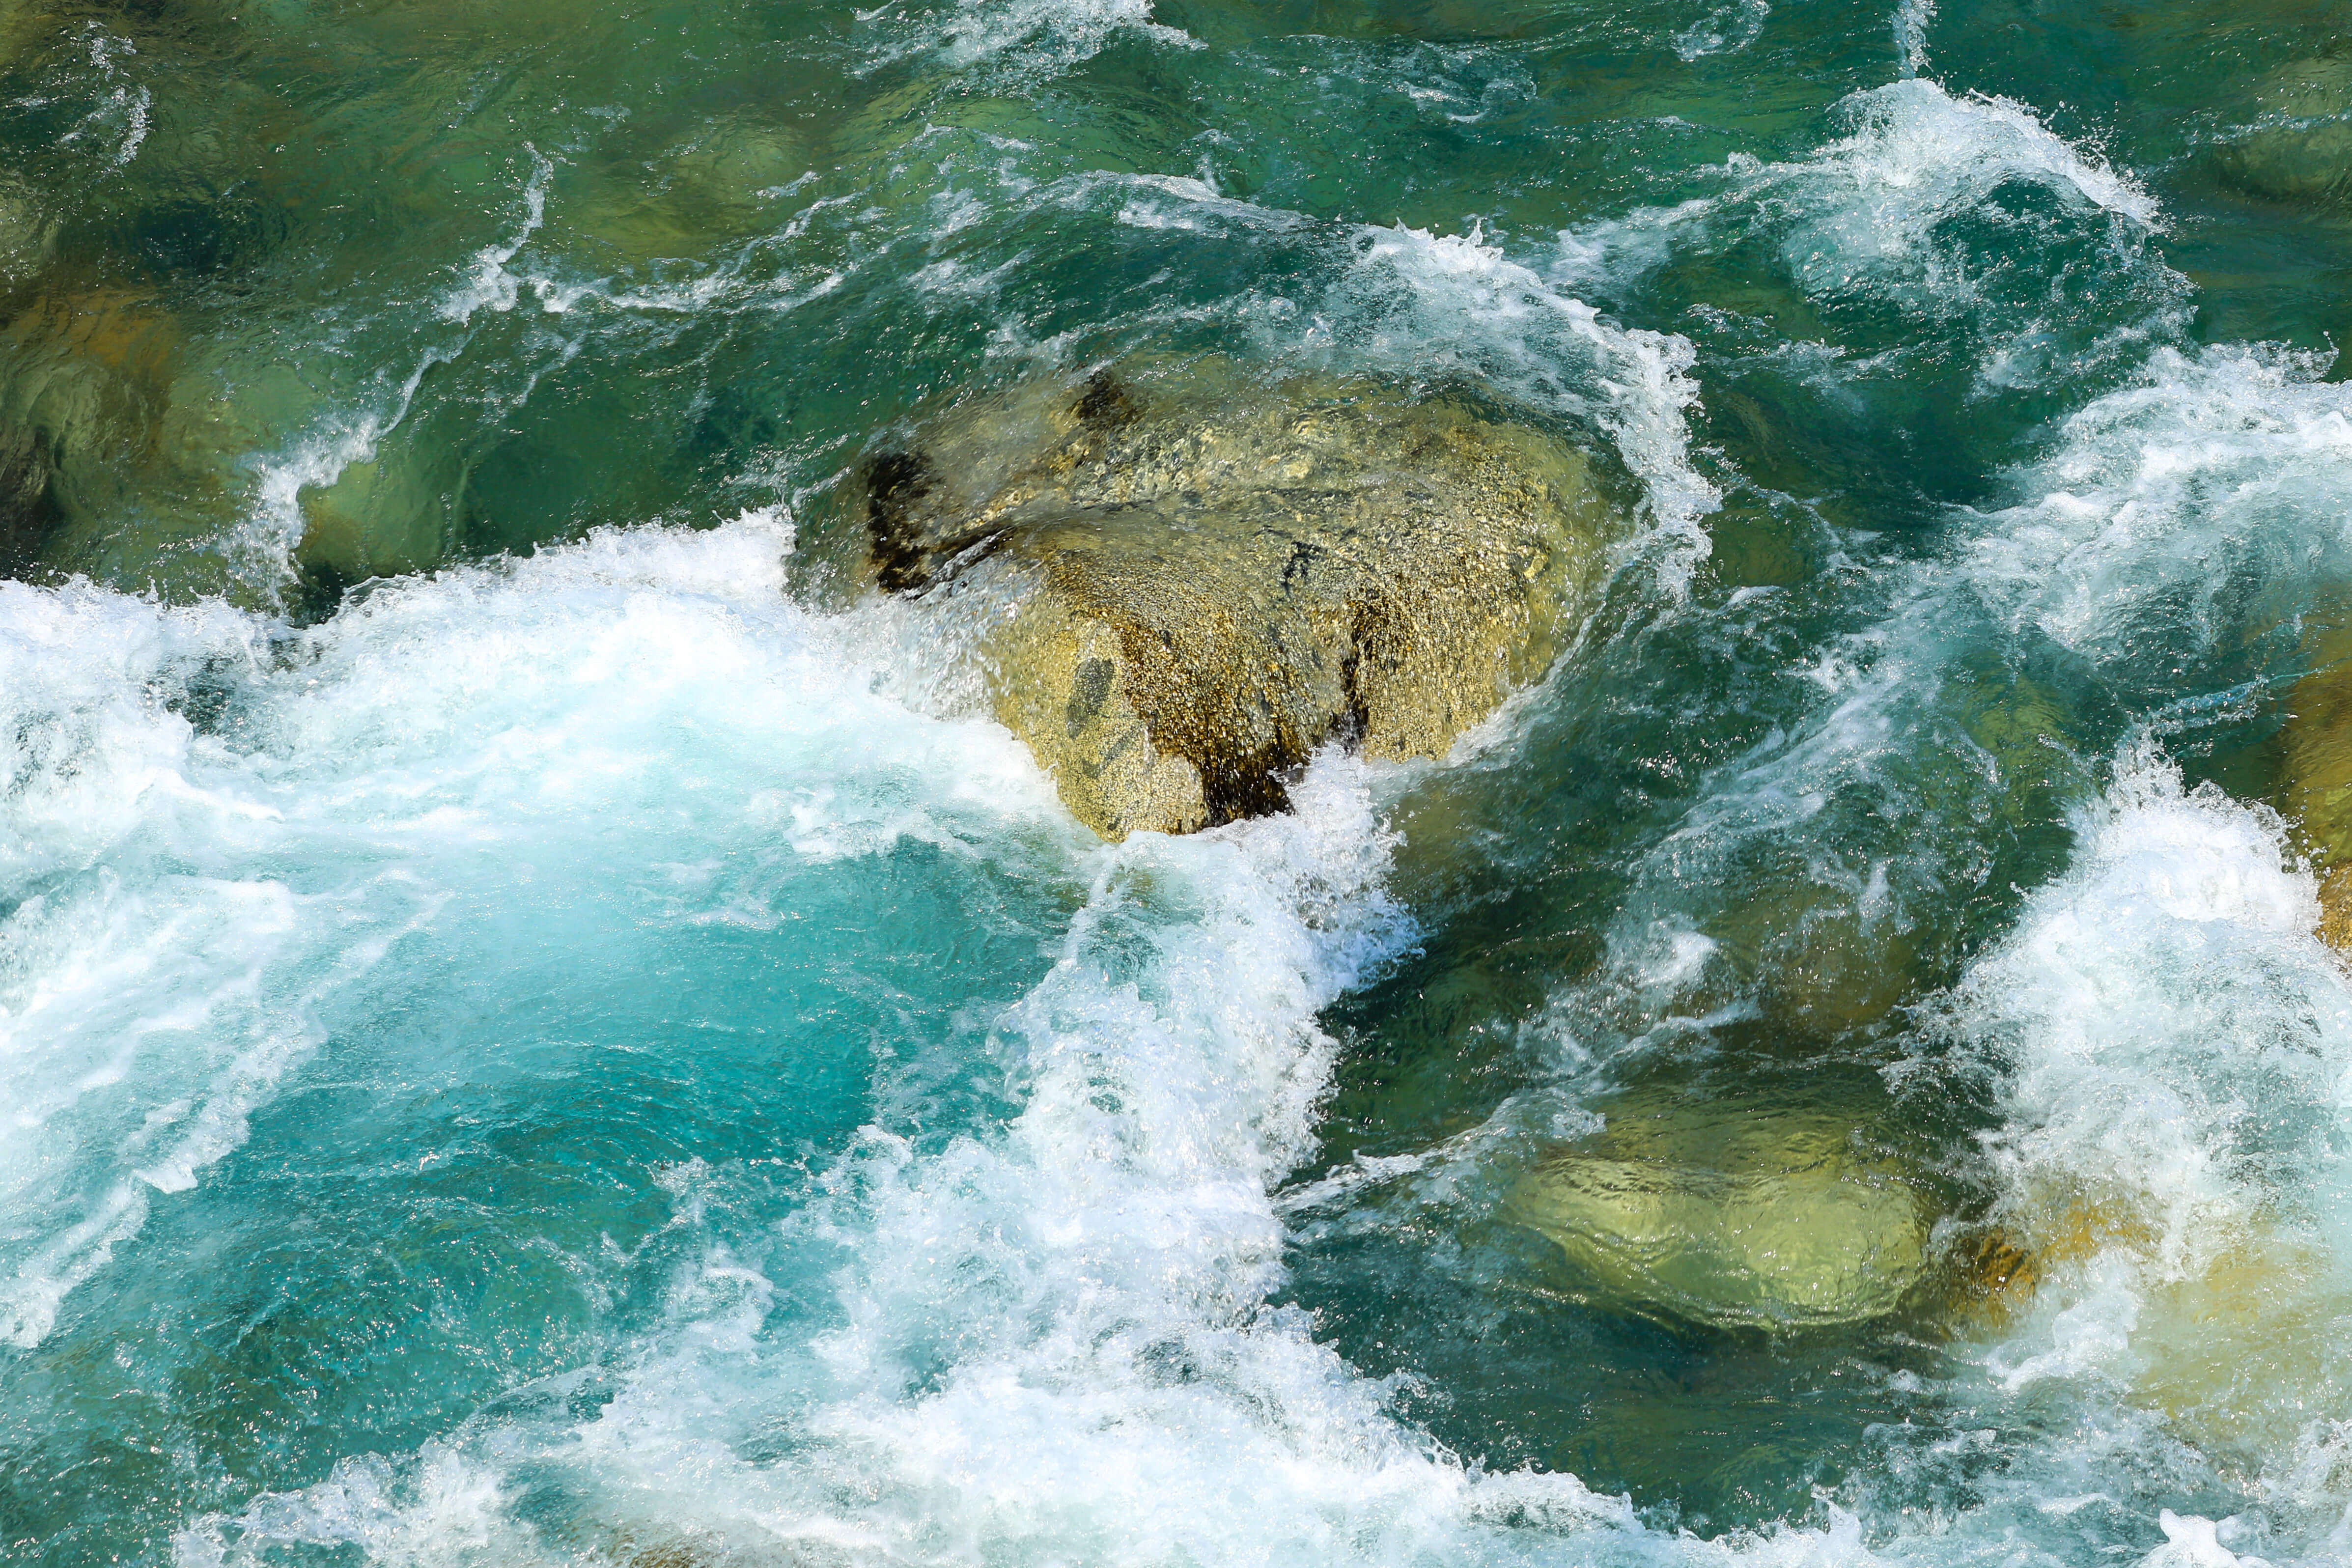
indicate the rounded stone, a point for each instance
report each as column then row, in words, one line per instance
column 1709, row 1214
column 379, row 516
column 1207, row 578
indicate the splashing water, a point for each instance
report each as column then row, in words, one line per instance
column 543, row 1025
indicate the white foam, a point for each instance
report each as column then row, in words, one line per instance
column 2194, row 1541
column 1727, row 29
column 87, row 745
column 1417, row 303
column 2173, row 1033
column 1862, row 212
column 1918, row 152
column 2160, row 502
column 1050, row 1343
column 443, row 1511
column 1015, row 43
column 2174, row 1052
column 1038, row 35
column 1912, row 20
column 487, row 282
column 157, row 988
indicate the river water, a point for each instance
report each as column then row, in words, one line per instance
column 534, row 1032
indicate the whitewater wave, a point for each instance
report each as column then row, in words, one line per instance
column 216, row 831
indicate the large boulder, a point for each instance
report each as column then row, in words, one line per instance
column 1731, row 1217
column 1207, row 578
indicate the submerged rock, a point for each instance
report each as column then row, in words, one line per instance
column 142, row 451
column 2300, row 147
column 391, row 511
column 28, row 234
column 28, row 513
column 2317, row 783
column 1729, row 1216
column 683, row 201
column 1208, row 579
column 82, row 380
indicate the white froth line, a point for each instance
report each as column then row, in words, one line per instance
column 319, row 457
column 490, row 283
column 30, row 1304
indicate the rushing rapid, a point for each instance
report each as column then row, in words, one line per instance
column 547, row 1017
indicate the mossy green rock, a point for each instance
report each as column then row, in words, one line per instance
column 2300, row 149
column 1702, row 1214
column 1209, row 578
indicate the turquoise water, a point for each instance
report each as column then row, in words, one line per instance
column 539, row 1026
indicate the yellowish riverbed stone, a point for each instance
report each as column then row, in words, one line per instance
column 1217, row 576
column 1730, row 1217
column 2316, row 793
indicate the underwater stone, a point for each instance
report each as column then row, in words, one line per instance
column 84, row 372
column 27, row 511
column 714, row 193
column 1708, row 1214
column 1211, row 578
column 2317, row 780
column 2301, row 149
column 381, row 515
column 153, row 445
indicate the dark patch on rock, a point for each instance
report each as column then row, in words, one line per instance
column 316, row 594
column 1106, row 405
column 28, row 508
column 896, row 484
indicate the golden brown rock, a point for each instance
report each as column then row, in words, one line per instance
column 2317, row 792
column 1729, row 1216
column 1211, row 578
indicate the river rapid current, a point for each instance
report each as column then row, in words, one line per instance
column 541, row 1023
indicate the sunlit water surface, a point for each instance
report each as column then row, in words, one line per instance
column 549, row 1033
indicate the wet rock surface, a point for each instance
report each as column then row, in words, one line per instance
column 2316, row 781
column 1207, row 579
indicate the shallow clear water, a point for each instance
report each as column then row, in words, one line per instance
column 536, row 1027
